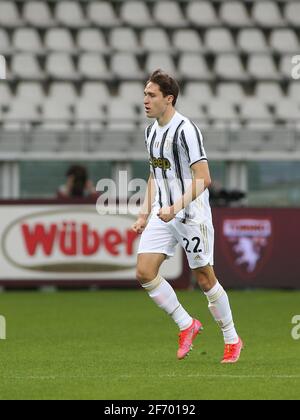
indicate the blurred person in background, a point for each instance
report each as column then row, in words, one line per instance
column 78, row 184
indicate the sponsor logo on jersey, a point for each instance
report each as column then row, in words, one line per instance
column 161, row 163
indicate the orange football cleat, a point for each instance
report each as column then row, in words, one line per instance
column 187, row 337
column 232, row 352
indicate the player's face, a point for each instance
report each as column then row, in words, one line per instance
column 155, row 103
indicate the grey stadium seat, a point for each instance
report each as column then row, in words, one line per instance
column 27, row 40
column 26, row 66
column 136, row 14
column 155, row 40
column 267, row 14
column 169, row 15
column 38, row 14
column 219, row 40
column 252, row 41
column 102, row 14
column 92, row 40
column 124, row 39
column 63, row 92
column 31, row 92
column 292, row 13
column 199, row 92
column 95, row 93
column 60, row 40
column 202, row 14
column 193, row 67
column 284, row 41
column 262, row 67
column 187, row 40
column 9, row 15
column 93, row 66
column 5, row 44
column 60, row 66
column 70, row 14
column 230, row 67
column 234, row 13
column 124, row 66
column 160, row 60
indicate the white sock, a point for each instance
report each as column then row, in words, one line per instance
column 220, row 309
column 163, row 294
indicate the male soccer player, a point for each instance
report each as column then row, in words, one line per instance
column 177, row 199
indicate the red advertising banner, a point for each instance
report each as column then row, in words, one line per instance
column 71, row 245
column 257, row 247
column 64, row 244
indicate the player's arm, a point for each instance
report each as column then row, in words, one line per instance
column 201, row 181
column 146, row 208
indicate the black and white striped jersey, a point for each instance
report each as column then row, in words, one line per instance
column 173, row 149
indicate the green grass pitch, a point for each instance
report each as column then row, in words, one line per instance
column 119, row 345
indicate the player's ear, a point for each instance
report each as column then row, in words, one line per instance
column 170, row 99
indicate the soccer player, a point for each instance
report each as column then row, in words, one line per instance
column 178, row 209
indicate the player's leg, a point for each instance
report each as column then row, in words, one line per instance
column 219, row 305
column 157, row 243
column 159, row 290
column 198, row 242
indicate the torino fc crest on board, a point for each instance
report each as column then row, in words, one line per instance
column 247, row 244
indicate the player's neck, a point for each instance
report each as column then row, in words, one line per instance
column 166, row 117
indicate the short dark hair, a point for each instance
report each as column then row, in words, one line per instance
column 167, row 84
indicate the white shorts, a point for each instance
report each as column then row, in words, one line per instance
column 162, row 238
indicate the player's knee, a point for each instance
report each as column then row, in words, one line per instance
column 144, row 276
column 205, row 278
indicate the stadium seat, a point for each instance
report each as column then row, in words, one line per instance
column 187, row 40
column 254, row 109
column 95, row 93
column 269, row 93
column 155, row 40
column 252, row 41
column 124, row 39
column 26, row 67
column 92, row 66
column 219, row 40
column 160, row 60
column 231, row 92
column 221, row 110
column 193, row 67
column 89, row 115
column 284, row 41
column 60, row 66
column 288, row 110
column 136, row 14
column 31, row 92
column 124, row 66
column 121, row 115
column 169, row 15
column 234, row 13
column 70, row 14
column 102, row 14
column 92, row 40
column 230, row 67
column 5, row 44
column 5, row 94
column 38, row 14
column 267, row 14
column 191, row 109
column 27, row 40
column 199, row 92
column 292, row 13
column 60, row 40
column 56, row 116
column 202, row 14
column 62, row 92
column 9, row 15
column 20, row 114
column 293, row 91
column 132, row 92
column 262, row 67
column 286, row 66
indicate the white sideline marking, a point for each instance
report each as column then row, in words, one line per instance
column 46, row 378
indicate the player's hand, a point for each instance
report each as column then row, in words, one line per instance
column 166, row 214
column 139, row 225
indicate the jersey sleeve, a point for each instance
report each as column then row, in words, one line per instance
column 192, row 143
